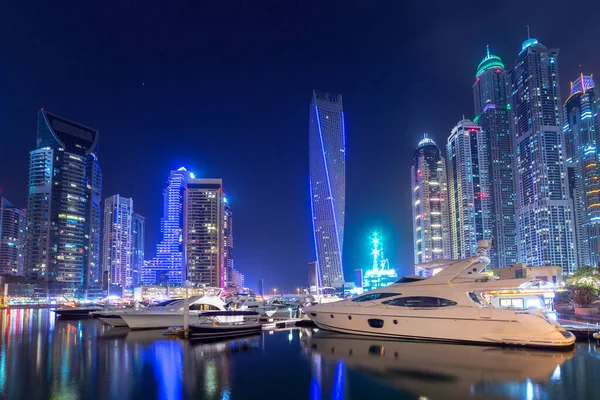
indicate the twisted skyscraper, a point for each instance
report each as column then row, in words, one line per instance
column 327, row 163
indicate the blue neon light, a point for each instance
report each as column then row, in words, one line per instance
column 337, row 236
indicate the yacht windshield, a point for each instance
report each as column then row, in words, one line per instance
column 408, row 279
column 166, row 303
column 374, row 296
column 420, row 302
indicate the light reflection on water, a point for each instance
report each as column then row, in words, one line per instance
column 41, row 358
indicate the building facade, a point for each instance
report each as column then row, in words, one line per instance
column 469, row 188
column 431, row 223
column 544, row 210
column 168, row 267
column 327, row 171
column 581, row 130
column 63, row 218
column 138, row 238
column 12, row 238
column 492, row 110
column 227, row 242
column 118, row 240
column 204, row 218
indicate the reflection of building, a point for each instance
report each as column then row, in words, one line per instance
column 203, row 231
column 468, row 184
column 138, row 238
column 380, row 275
column 327, row 170
column 63, row 218
column 118, row 239
column 544, row 209
column 431, row 226
column 168, row 262
column 12, row 238
column 491, row 95
column 581, row 129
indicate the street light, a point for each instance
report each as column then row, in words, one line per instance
column 298, row 290
column 274, row 291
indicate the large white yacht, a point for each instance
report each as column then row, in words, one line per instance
column 448, row 306
column 113, row 317
column 172, row 315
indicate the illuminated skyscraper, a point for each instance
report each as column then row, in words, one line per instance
column 168, row 267
column 492, row 110
column 327, row 164
column 469, row 188
column 12, row 238
column 545, row 228
column 227, row 242
column 138, row 242
column 431, row 224
column 581, row 129
column 204, row 218
column 63, row 217
column 118, row 240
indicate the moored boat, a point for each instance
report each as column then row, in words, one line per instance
column 76, row 312
column 223, row 324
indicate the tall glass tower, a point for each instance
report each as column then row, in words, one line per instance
column 138, row 232
column 63, row 218
column 545, row 229
column 327, row 164
column 469, row 188
column 118, row 240
column 431, row 224
column 492, row 110
column 581, row 129
column 12, row 238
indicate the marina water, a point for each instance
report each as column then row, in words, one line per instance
column 42, row 357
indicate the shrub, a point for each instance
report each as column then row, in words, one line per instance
column 584, row 295
column 564, row 297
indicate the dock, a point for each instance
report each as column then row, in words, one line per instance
column 581, row 330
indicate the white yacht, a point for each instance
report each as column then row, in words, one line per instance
column 448, row 306
column 172, row 314
column 113, row 317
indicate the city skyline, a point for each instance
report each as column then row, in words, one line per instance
column 144, row 135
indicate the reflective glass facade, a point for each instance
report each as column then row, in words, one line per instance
column 545, row 228
column 139, row 241
column 118, row 240
column 327, row 170
column 12, row 238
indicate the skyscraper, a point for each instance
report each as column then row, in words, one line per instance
column 138, row 242
column 227, row 242
column 581, row 129
column 203, row 231
column 492, row 110
column 327, row 164
column 545, row 230
column 168, row 267
column 12, row 238
column 431, row 224
column 63, row 218
column 118, row 240
column 469, row 188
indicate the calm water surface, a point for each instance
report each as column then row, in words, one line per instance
column 45, row 358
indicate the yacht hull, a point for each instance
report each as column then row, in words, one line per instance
column 464, row 329
column 112, row 320
column 153, row 320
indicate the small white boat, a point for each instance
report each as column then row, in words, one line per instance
column 224, row 324
column 445, row 307
column 113, row 317
column 76, row 312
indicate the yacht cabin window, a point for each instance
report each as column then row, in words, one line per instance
column 420, row 302
column 374, row 296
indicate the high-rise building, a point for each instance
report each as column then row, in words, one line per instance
column 469, row 188
column 327, row 164
column 581, row 129
column 204, row 217
column 138, row 239
column 12, row 238
column 63, row 217
column 168, row 267
column 545, row 229
column 118, row 240
column 431, row 223
column 492, row 110
column 227, row 242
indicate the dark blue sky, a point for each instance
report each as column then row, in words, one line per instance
column 223, row 88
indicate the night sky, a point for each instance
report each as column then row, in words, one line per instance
column 223, row 88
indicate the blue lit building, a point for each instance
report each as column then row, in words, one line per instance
column 469, row 188
column 118, row 240
column 12, row 238
column 327, row 164
column 581, row 129
column 380, row 275
column 138, row 232
column 63, row 217
column 544, row 210
column 492, row 110
column 167, row 267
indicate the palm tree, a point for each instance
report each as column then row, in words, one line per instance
column 585, row 276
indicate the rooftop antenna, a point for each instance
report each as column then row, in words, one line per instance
column 528, row 35
column 488, row 50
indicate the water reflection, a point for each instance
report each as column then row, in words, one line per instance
column 446, row 371
column 44, row 358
